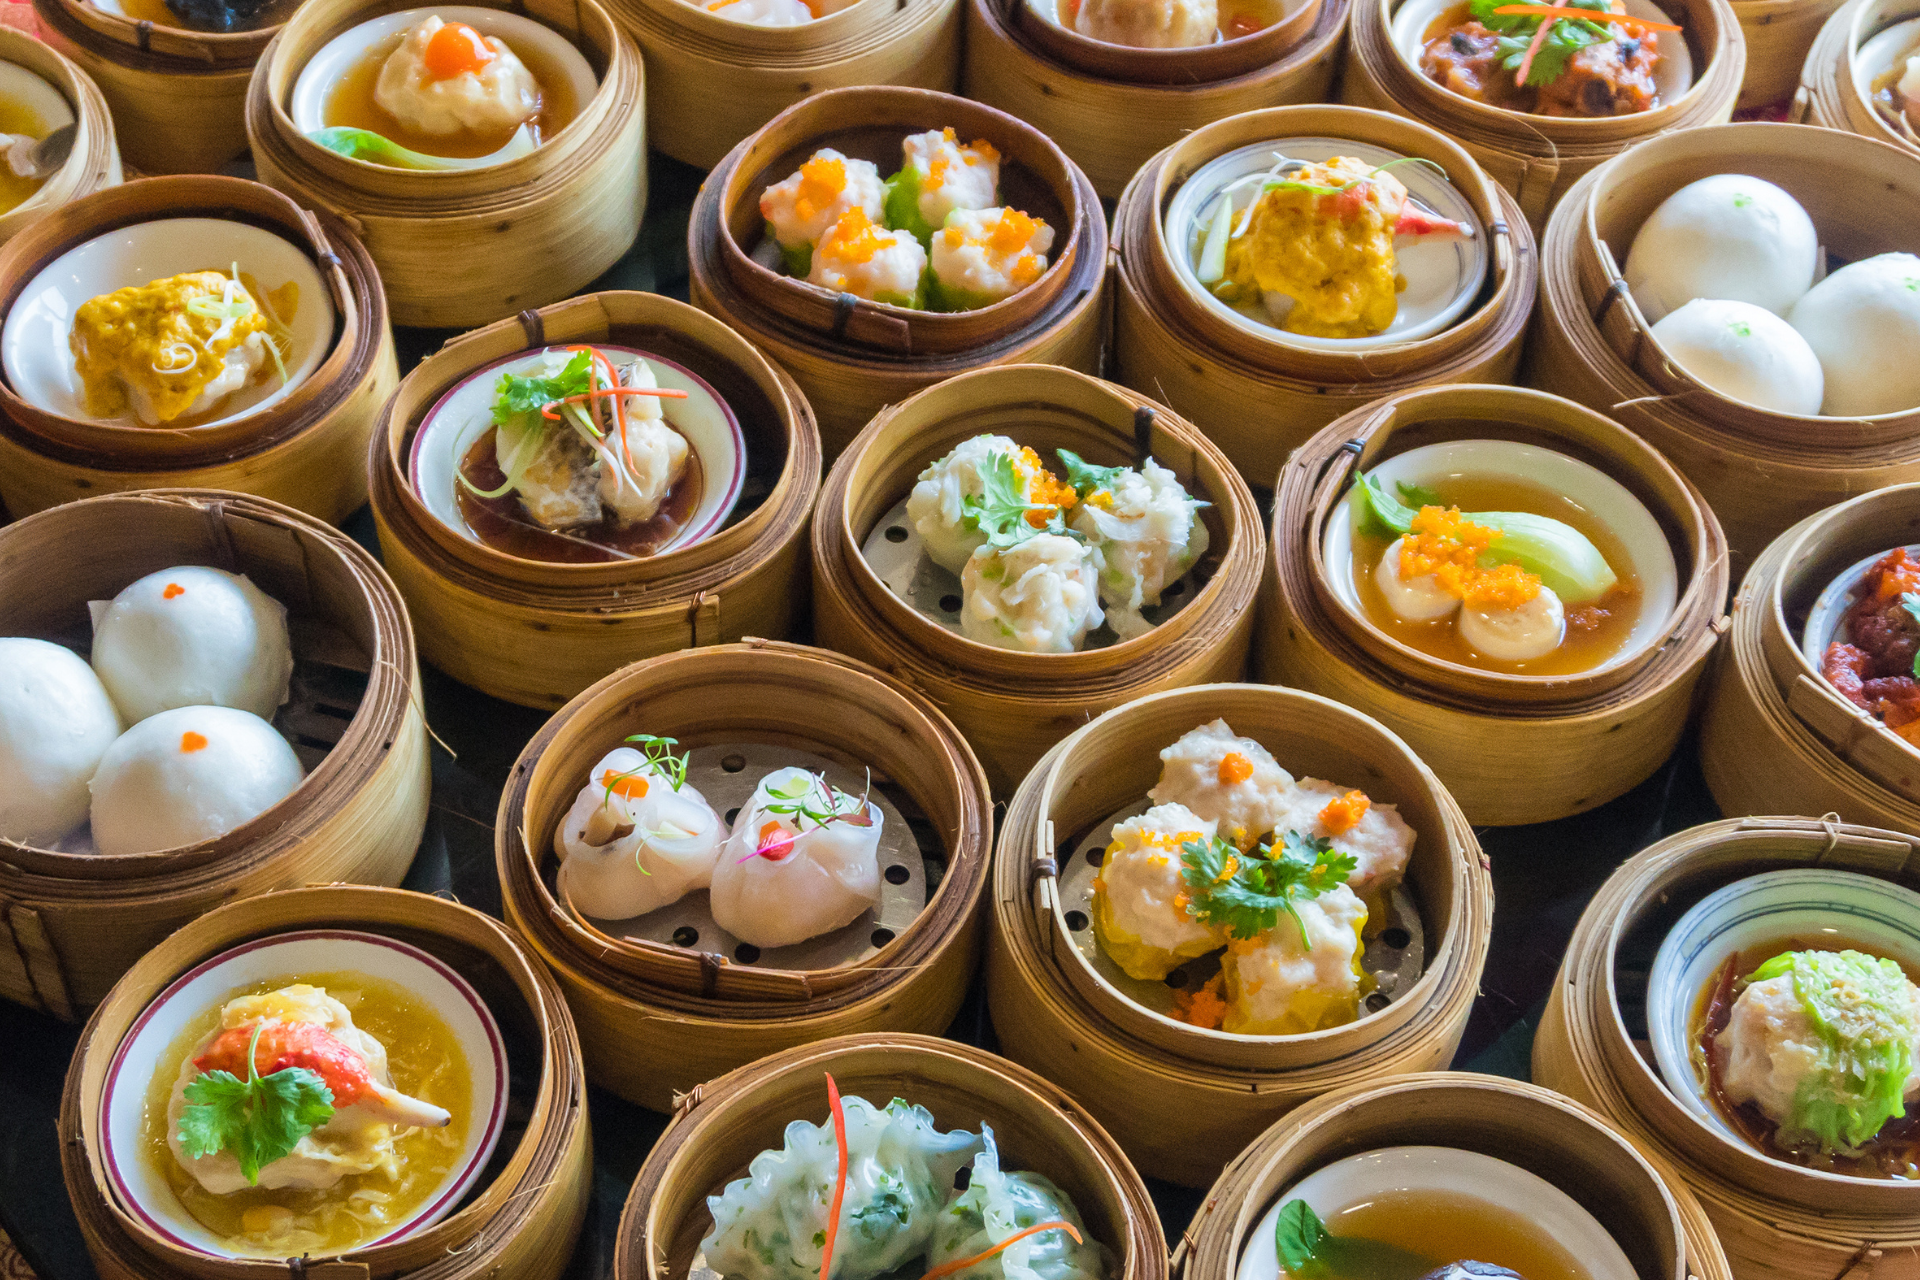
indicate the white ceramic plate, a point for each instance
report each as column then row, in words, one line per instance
column 1806, row 903
column 143, row 1190
column 1878, row 54
column 1352, row 1181
column 1825, row 623
column 34, row 344
column 40, row 97
column 1443, row 277
column 1609, row 501
column 464, row 414
column 1672, row 75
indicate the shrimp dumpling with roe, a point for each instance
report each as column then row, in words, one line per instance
column 447, row 78
column 939, row 174
column 1041, row 595
column 859, row 256
column 1147, row 528
column 1233, row 781
column 1145, row 24
column 802, row 207
column 803, row 860
column 1302, row 975
column 1140, row 895
column 639, row 835
column 982, row 256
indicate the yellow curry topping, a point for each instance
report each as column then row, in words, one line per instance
column 151, row 337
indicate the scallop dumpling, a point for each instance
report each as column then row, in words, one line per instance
column 447, row 78
column 638, row 837
column 803, row 860
column 1730, row 237
column 1419, row 598
column 1145, row 24
column 1148, row 531
column 1863, row 322
column 801, row 207
column 1746, row 353
column 859, row 256
column 1233, row 781
column 1037, row 596
column 56, row 721
column 1138, row 901
column 1512, row 629
column 187, row 775
column 192, row 636
column 1299, row 977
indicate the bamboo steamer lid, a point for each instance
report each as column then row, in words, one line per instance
column 851, row 357
column 1640, row 1202
column 306, row 450
column 459, row 248
column 1538, row 158
column 718, row 1127
column 521, row 1222
column 689, row 50
column 1113, row 108
column 1056, row 1015
column 1759, row 471
column 95, row 160
column 1511, row 749
column 658, row 1019
column 1779, row 35
column 1776, row 1220
column 537, row 633
column 1838, row 78
column 1012, row 706
column 1256, row 397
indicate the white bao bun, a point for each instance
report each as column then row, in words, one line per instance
column 1744, row 352
column 1730, row 236
column 1863, row 322
column 192, row 636
column 187, row 775
column 56, row 721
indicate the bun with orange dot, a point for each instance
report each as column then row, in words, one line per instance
column 188, row 775
column 192, row 636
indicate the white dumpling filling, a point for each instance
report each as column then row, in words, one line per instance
column 187, row 775
column 653, row 458
column 192, row 636
column 1148, row 24
column 56, row 722
column 237, row 368
column 1284, row 984
column 1139, row 911
column 1380, row 842
column 500, row 96
column 860, row 257
column 1520, row 634
column 1149, row 533
column 953, row 175
column 803, row 205
column 1231, row 780
column 803, row 860
column 938, row 504
column 631, row 843
column 1420, row 599
column 1040, row 596
column 983, row 255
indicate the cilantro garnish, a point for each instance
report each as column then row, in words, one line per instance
column 519, row 398
column 259, row 1119
column 1246, row 892
column 1001, row 508
column 794, row 798
column 1516, row 31
column 1084, row 476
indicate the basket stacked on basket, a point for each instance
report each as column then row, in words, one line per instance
column 95, row 159
column 1860, row 51
column 1779, row 35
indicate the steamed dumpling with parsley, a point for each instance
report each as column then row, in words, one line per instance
column 999, row 1208
column 986, row 476
column 803, row 860
column 1147, row 529
column 1301, row 975
column 1040, row 595
column 1374, row 835
column 639, row 835
column 1233, row 781
column 1140, row 897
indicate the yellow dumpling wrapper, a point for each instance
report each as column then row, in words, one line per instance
column 1138, row 958
column 1266, row 994
column 1140, row 899
column 1332, row 254
column 146, row 336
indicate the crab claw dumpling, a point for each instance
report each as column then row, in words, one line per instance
column 634, row 842
column 1299, row 978
column 1139, row 900
column 447, row 78
column 1233, row 781
column 804, row 860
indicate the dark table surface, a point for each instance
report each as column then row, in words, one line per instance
column 1543, row 878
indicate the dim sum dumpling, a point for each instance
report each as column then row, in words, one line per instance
column 770, row 1225
column 981, row 256
column 939, row 174
column 1138, row 911
column 192, row 636
column 1038, row 596
column 633, row 842
column 1375, row 834
column 801, row 207
column 1149, row 533
column 1283, row 983
column 997, row 1205
column 56, row 721
column 654, row 457
column 859, row 256
column 941, row 498
column 803, row 860
column 447, row 78
column 187, row 775
column 1145, row 24
column 1230, row 779
column 763, row 13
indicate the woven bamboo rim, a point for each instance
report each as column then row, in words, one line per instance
column 521, row 1223
column 1201, row 64
column 1759, row 471
column 459, row 248
column 1259, row 398
column 1013, row 706
column 1538, row 158
column 697, row 1015
column 1136, row 1069
column 718, row 1127
column 1829, row 92
column 768, row 69
column 1111, row 121
column 76, row 922
column 1779, row 35
column 1775, row 1220
column 1576, row 742
column 95, row 162
column 538, row 633
column 1640, row 1202
column 306, row 450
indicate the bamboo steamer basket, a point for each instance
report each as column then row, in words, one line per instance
column 1013, row 706
column 1259, row 398
column 1776, row 734
column 1831, row 78
column 95, row 162
column 657, row 1020
column 1538, row 158
column 307, row 450
column 1511, row 749
column 689, row 50
column 1112, row 108
column 719, row 1126
column 1777, row 1221
column 1136, row 1069
column 537, row 633
column 1640, row 1202
column 522, row 1222
column 459, row 248
column 1759, row 471
column 852, row 358
column 73, row 923
column 1779, row 35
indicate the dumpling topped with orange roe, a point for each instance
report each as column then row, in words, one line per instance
column 1140, row 896
column 944, row 504
column 1506, row 613
column 447, row 78
column 861, row 257
column 939, row 174
column 1222, row 776
column 802, row 207
column 982, row 256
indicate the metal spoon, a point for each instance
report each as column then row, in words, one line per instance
column 39, row 158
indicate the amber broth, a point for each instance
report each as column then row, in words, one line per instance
column 352, row 104
column 1893, row 1155
column 1585, row 647
column 1237, row 18
column 17, row 117
column 1449, row 1227
column 424, row 1059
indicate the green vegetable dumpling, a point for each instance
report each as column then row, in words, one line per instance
column 997, row 1206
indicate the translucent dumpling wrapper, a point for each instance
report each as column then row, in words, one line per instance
column 1233, row 781
column 1149, row 533
column 170, row 349
column 998, row 1205
column 771, row 1225
column 192, row 636
column 1144, row 24
column 187, row 775
column 951, row 495
column 447, row 78
column 56, row 722
column 803, row 860
column 634, row 841
column 800, row 208
column 1038, row 596
column 1377, row 837
column 981, row 256
column 859, row 256
column 1283, row 983
column 653, row 456
column 1139, row 901
column 939, row 174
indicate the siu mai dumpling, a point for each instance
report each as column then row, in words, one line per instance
column 801, row 207
column 447, row 78
column 1038, row 596
column 638, row 837
column 939, row 174
column 1140, row 896
column 1375, row 835
column 1230, row 779
column 1299, row 977
column 1145, row 24
column 803, row 860
column 1148, row 531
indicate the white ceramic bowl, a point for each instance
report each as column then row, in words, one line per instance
column 1806, row 903
column 1610, row 502
column 39, row 96
column 1825, row 620
column 1443, row 277
column 1879, row 52
column 34, row 347
column 464, row 414
column 339, row 55
column 1672, row 76
column 1346, row 1183
column 143, row 1190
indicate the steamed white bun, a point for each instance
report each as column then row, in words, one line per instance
column 1744, row 352
column 188, row 775
column 1730, row 236
column 192, row 636
column 56, row 721
column 1863, row 322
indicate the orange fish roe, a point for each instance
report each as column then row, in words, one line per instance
column 1044, row 489
column 630, row 785
column 1234, row 767
column 1013, row 232
column 173, row 589
column 1027, row 268
column 1206, row 1007
column 191, row 742
column 1502, row 586
column 982, row 152
column 855, row 238
column 822, row 179
column 1444, row 543
column 1343, row 813
column 456, row 49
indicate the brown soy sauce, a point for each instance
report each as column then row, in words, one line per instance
column 503, row 524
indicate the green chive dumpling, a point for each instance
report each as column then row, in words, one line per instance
column 772, row 1224
column 997, row 1206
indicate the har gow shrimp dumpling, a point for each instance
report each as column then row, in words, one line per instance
column 803, row 860
column 1730, row 237
column 56, row 721
column 192, row 636
column 187, row 775
column 638, row 837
